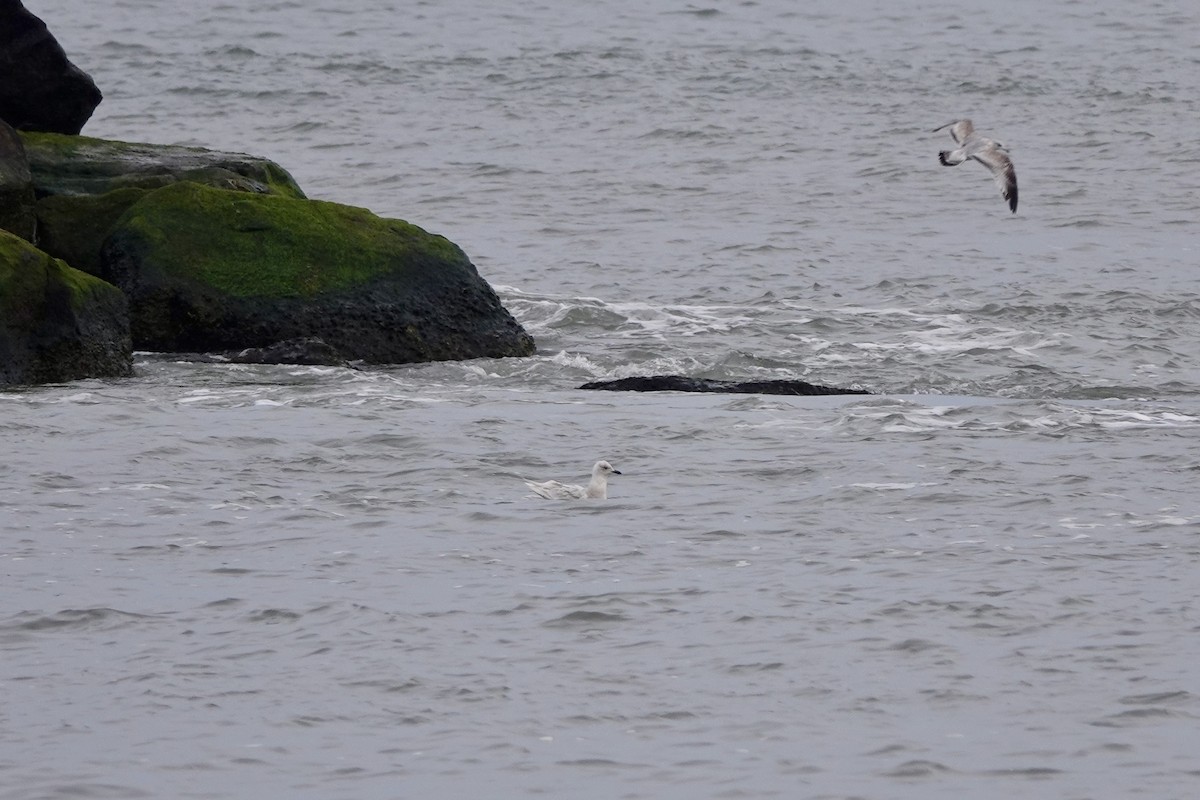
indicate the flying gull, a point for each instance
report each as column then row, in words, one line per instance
column 597, row 488
column 986, row 151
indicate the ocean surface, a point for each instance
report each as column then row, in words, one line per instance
column 224, row 581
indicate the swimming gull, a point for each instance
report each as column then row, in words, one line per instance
column 986, row 151
column 597, row 488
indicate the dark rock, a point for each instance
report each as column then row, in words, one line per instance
column 75, row 165
column 40, row 89
column 210, row 270
column 57, row 323
column 309, row 351
column 16, row 186
column 682, row 383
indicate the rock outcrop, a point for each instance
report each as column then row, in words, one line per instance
column 40, row 89
column 57, row 323
column 682, row 383
column 209, row 270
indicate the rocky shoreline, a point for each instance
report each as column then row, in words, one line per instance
column 199, row 250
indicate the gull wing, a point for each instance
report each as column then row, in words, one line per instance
column 1005, row 176
column 959, row 131
column 553, row 490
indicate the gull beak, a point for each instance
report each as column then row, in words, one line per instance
column 616, row 472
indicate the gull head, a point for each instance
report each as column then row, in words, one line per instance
column 605, row 468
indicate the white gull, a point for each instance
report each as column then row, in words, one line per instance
column 986, row 151
column 597, row 488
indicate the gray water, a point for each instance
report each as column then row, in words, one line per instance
column 266, row 582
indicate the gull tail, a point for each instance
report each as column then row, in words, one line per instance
column 951, row 158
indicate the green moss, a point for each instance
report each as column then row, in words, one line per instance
column 60, row 145
column 267, row 246
column 25, row 274
column 82, row 287
column 19, row 279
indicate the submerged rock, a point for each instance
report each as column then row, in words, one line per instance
column 82, row 165
column 57, row 323
column 309, row 351
column 682, row 383
column 211, row 270
column 16, row 186
column 41, row 90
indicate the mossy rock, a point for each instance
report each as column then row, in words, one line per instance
column 74, row 227
column 57, row 323
column 81, row 165
column 212, row 270
column 16, row 185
